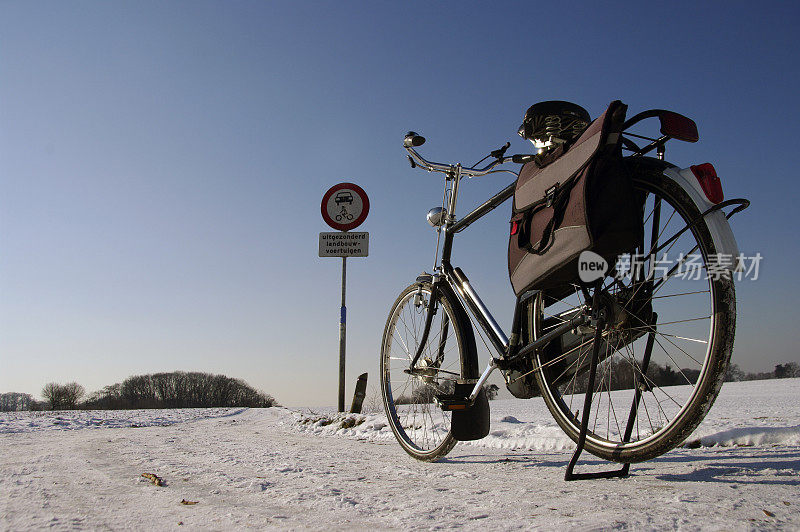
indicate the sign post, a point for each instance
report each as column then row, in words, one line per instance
column 342, row 334
column 344, row 206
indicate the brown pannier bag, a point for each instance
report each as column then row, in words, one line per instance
column 570, row 201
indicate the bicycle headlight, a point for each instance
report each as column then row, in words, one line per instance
column 437, row 216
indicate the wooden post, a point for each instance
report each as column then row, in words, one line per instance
column 360, row 393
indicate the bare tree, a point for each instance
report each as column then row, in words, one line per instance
column 72, row 393
column 788, row 370
column 734, row 373
column 15, row 401
column 491, row 391
column 63, row 396
column 52, row 392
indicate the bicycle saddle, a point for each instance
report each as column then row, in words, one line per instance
column 553, row 122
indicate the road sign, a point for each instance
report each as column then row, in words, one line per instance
column 341, row 244
column 345, row 206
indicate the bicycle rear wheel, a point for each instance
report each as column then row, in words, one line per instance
column 422, row 428
column 667, row 344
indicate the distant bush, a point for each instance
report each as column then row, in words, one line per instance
column 419, row 396
column 491, row 392
column 178, row 390
column 63, row 396
column 15, row 402
column 781, row 371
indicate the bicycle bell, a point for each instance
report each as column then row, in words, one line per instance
column 552, row 123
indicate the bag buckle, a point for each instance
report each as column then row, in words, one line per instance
column 550, row 194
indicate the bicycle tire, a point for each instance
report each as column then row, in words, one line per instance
column 658, row 424
column 420, row 426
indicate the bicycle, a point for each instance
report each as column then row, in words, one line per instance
column 344, row 215
column 594, row 351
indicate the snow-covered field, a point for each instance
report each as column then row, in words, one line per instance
column 279, row 468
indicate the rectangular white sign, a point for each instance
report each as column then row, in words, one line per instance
column 343, row 244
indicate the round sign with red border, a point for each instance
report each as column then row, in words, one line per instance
column 345, row 206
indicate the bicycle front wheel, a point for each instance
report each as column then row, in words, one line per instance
column 667, row 343
column 422, row 428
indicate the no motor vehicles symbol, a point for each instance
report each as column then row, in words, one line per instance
column 345, row 206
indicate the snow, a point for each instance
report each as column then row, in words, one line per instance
column 745, row 414
column 286, row 469
column 84, row 419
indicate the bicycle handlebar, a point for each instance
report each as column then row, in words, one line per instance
column 413, row 140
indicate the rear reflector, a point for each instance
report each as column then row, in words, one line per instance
column 678, row 126
column 709, row 181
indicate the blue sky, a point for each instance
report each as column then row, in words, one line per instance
column 162, row 164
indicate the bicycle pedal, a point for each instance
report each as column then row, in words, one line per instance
column 453, row 402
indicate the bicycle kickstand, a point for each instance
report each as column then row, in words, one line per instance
column 587, row 405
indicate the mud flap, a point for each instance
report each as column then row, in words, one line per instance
column 471, row 423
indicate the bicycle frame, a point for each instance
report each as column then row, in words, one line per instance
column 508, row 350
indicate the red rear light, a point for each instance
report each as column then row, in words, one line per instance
column 707, row 177
column 514, row 227
column 678, row 126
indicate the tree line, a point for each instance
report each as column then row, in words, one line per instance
column 15, row 401
column 616, row 374
column 781, row 371
column 177, row 389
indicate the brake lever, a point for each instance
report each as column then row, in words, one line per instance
column 499, row 153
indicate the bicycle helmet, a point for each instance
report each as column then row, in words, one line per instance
column 548, row 124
